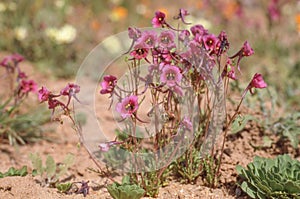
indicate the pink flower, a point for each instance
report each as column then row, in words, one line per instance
column 53, row 103
column 108, row 84
column 184, row 35
column 134, row 33
column 104, row 147
column 186, row 123
column 43, row 94
column 247, row 50
column 229, row 70
column 14, row 58
column 22, row 75
column 159, row 19
column 171, row 75
column 198, row 29
column 257, row 82
column 222, row 44
column 182, row 14
column 148, row 39
column 27, row 86
column 128, row 106
column 209, row 42
column 166, row 39
column 70, row 90
column 274, row 11
column 140, row 51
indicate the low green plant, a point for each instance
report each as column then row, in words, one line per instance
column 64, row 187
column 15, row 172
column 51, row 172
column 19, row 122
column 240, row 122
column 188, row 166
column 126, row 190
column 266, row 178
column 289, row 127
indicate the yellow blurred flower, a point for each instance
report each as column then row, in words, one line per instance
column 12, row 6
column 2, row 7
column 118, row 13
column 20, row 33
column 64, row 35
column 60, row 3
column 204, row 22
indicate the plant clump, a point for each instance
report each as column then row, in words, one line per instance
column 266, row 178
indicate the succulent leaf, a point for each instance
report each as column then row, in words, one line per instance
column 271, row 178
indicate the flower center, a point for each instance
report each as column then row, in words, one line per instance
column 129, row 106
column 170, row 76
column 140, row 51
column 149, row 41
column 165, row 40
column 209, row 42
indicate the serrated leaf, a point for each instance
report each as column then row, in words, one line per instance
column 50, row 167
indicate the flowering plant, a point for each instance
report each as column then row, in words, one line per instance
column 185, row 85
column 18, row 88
column 171, row 103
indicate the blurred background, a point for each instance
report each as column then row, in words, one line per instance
column 56, row 35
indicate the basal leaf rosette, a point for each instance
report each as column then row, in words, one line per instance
column 271, row 178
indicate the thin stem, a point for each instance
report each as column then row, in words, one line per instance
column 227, row 128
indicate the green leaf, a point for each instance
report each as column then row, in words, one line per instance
column 240, row 122
column 267, row 141
column 23, row 171
column 249, row 190
column 125, row 191
column 34, row 172
column 15, row 172
column 292, row 187
column 36, row 162
column 126, row 180
column 63, row 187
column 271, row 178
column 67, row 163
column 239, row 169
column 50, row 167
